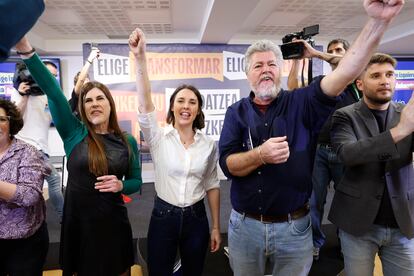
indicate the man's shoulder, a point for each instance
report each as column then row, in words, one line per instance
column 349, row 108
column 243, row 103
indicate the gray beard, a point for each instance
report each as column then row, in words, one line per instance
column 267, row 94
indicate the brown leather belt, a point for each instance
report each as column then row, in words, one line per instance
column 299, row 213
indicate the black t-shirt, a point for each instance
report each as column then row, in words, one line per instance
column 385, row 216
column 73, row 102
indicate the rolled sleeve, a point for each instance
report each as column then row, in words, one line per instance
column 212, row 181
column 230, row 140
column 32, row 171
column 149, row 126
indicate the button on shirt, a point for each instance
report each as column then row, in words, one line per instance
column 182, row 176
column 275, row 189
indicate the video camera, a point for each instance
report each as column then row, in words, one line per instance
column 294, row 50
column 22, row 74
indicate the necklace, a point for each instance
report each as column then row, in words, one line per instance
column 187, row 139
column 185, row 142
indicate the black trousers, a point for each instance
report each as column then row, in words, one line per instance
column 24, row 257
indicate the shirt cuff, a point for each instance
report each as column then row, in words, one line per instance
column 147, row 120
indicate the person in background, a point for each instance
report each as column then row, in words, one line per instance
column 37, row 120
column 179, row 218
column 326, row 166
column 267, row 148
column 24, row 239
column 80, row 79
column 17, row 17
column 103, row 161
column 372, row 204
column 332, row 57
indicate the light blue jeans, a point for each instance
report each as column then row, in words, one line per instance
column 326, row 168
column 54, row 187
column 394, row 249
column 278, row 248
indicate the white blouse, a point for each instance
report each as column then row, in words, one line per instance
column 182, row 176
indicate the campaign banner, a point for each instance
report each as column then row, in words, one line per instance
column 404, row 74
column 8, row 70
column 216, row 70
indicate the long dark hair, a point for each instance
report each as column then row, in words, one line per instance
column 199, row 119
column 98, row 164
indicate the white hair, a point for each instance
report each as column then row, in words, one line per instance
column 263, row 45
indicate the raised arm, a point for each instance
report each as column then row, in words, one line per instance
column 380, row 13
column 309, row 52
column 137, row 45
column 67, row 125
column 293, row 82
column 21, row 100
column 94, row 54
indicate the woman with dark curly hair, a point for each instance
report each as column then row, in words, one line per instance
column 24, row 239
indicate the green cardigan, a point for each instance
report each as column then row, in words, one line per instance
column 71, row 130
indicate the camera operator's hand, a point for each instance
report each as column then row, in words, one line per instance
column 383, row 9
column 308, row 51
column 94, row 54
column 23, row 88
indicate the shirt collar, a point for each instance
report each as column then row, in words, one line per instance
column 275, row 100
column 14, row 146
column 170, row 130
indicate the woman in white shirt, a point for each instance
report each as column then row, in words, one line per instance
column 185, row 162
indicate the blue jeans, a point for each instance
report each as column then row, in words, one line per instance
column 394, row 249
column 54, row 187
column 326, row 168
column 284, row 248
column 172, row 228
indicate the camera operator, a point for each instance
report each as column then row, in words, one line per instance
column 37, row 119
column 327, row 167
column 309, row 52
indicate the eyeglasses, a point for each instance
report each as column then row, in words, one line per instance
column 4, row 119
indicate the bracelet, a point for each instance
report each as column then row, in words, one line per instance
column 89, row 61
column 26, row 53
column 260, row 155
